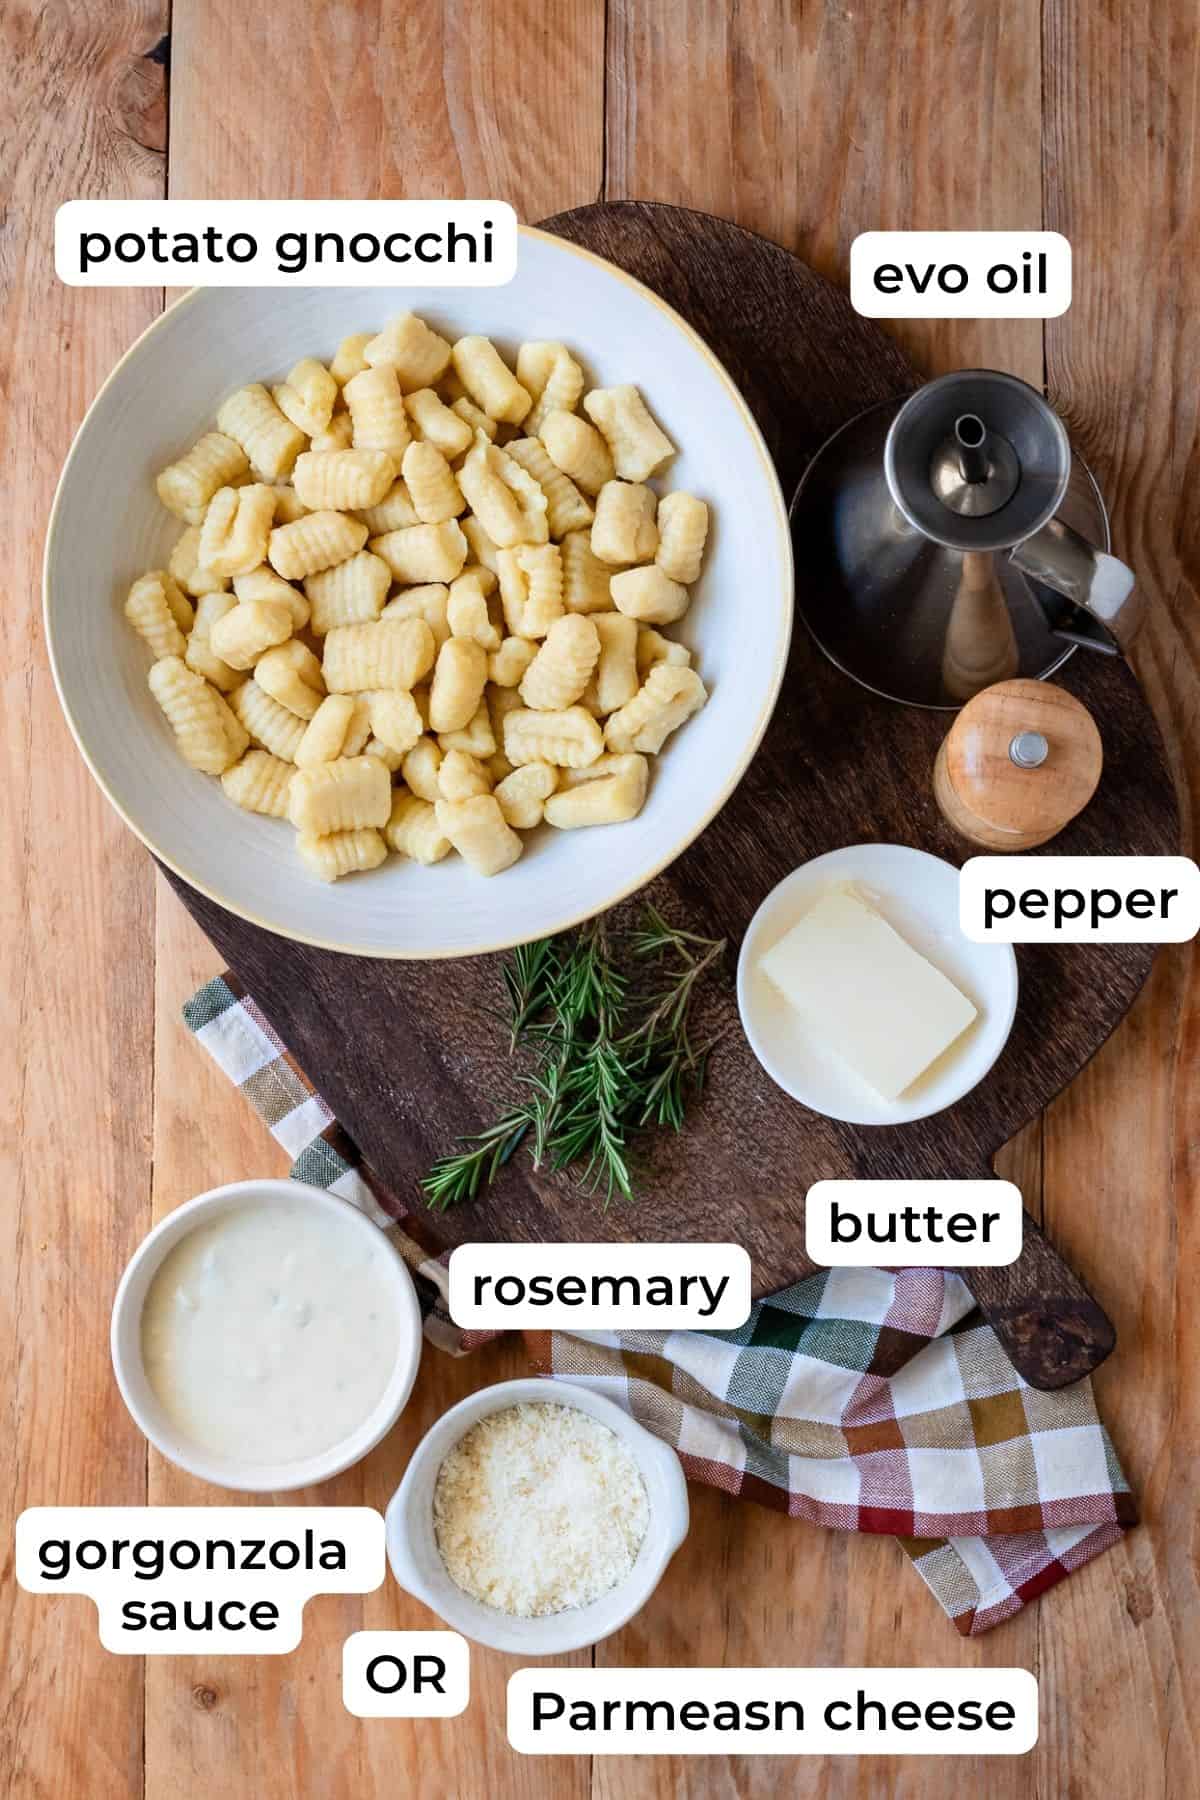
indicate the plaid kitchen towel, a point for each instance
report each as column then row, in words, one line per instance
column 858, row 1399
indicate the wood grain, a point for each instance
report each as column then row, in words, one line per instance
column 80, row 114
column 1121, row 125
column 837, row 766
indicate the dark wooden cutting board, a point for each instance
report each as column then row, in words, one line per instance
column 409, row 1054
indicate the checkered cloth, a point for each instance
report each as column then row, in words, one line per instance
column 857, row 1399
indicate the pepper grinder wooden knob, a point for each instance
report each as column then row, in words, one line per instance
column 1021, row 759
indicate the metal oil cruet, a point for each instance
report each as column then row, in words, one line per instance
column 952, row 539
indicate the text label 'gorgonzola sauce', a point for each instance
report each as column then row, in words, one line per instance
column 270, row 1334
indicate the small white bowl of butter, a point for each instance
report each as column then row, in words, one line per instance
column 860, row 995
column 266, row 1335
column 534, row 1525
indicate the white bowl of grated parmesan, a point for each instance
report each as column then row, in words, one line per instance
column 537, row 1517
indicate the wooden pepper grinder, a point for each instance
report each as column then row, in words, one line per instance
column 1021, row 759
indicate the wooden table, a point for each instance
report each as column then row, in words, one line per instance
column 809, row 122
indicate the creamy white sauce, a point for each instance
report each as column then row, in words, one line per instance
column 270, row 1334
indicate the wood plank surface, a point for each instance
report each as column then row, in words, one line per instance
column 81, row 114
column 810, row 122
column 1123, row 365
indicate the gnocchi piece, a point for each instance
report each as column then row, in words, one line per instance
column 649, row 595
column 264, row 584
column 479, row 544
column 350, row 592
column 288, row 505
column 579, row 450
column 566, row 508
column 208, row 735
column 471, row 415
column 337, row 435
column 611, row 791
column 435, row 494
column 458, row 683
column 253, row 420
column 624, row 530
column 682, row 533
column 585, row 577
column 391, row 759
column 214, row 461
column 377, row 412
column 429, row 602
column 653, row 648
column 478, row 831
column 413, row 349
column 489, row 381
column 476, row 737
column 570, row 739
column 413, row 829
column 339, row 727
column 639, row 447
column 505, row 499
column 523, row 794
column 462, row 775
column 467, row 612
column 391, row 653
column 395, row 720
column 349, row 359
column 507, row 665
column 420, row 768
column 501, row 701
column 315, row 542
column 487, row 578
column 394, row 511
column 563, row 666
column 341, row 853
column 531, row 583
column 259, row 784
column 200, row 655
column 252, row 627
column 667, row 697
column 346, row 795
column 160, row 613
column 184, row 567
column 292, row 675
column 434, row 423
column 237, row 525
column 423, row 553
column 343, row 480
column 308, row 396
column 268, row 723
column 616, row 672
column 551, row 375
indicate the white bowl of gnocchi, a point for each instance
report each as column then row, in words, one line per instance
column 420, row 623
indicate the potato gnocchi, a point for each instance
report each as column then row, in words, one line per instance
column 418, row 600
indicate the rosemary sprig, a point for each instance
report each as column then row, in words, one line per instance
column 611, row 1056
column 456, row 1178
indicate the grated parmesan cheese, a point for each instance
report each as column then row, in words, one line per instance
column 539, row 1507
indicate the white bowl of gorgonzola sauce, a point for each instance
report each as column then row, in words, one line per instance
column 266, row 1335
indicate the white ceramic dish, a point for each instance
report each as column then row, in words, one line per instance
column 417, row 1564
column 139, row 1397
column 107, row 526
column 918, row 896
